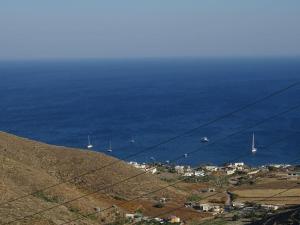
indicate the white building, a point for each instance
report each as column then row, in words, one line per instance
column 211, row 168
column 158, row 219
column 239, row 164
column 144, row 167
column 130, row 215
column 188, row 174
column 270, row 207
column 179, row 169
column 238, row 205
column 230, row 172
column 293, row 174
column 137, row 165
column 199, row 173
column 174, row 219
column 280, row 165
column 152, row 170
column 210, row 208
column 204, row 207
column 188, row 169
column 253, row 172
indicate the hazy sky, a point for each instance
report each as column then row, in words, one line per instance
column 148, row 28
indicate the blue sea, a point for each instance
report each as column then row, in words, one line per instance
column 151, row 100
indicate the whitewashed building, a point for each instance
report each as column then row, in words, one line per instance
column 179, row 169
column 211, row 168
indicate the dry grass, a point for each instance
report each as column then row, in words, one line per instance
column 27, row 166
column 275, row 196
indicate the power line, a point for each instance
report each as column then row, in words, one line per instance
column 273, row 94
column 129, row 178
column 181, row 207
column 242, row 130
column 139, row 174
column 167, row 186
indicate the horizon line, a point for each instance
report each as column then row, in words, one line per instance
column 150, row 58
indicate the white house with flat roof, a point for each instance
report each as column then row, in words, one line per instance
column 211, row 168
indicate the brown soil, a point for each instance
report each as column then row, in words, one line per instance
column 28, row 166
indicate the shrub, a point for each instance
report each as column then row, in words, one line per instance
column 74, row 210
column 158, row 205
column 45, row 197
column 194, row 198
column 235, row 217
column 119, row 198
column 233, row 196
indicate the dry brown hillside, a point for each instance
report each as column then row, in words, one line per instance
column 28, row 166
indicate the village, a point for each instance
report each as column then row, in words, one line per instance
column 227, row 184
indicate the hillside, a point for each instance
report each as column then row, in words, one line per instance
column 28, row 166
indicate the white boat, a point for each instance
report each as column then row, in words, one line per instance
column 89, row 146
column 204, row 139
column 185, row 155
column 132, row 140
column 109, row 148
column 253, row 149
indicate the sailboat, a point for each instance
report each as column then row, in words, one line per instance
column 253, row 144
column 109, row 148
column 89, row 146
column 152, row 158
column 132, row 140
column 204, row 139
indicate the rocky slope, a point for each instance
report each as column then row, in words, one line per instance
column 28, row 166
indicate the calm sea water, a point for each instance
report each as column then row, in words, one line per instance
column 62, row 102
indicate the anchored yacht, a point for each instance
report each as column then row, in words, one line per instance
column 89, row 146
column 109, row 148
column 204, row 139
column 254, row 149
column 132, row 140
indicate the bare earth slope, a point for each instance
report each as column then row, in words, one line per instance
column 28, row 166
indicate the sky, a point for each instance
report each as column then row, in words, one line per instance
column 35, row 29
